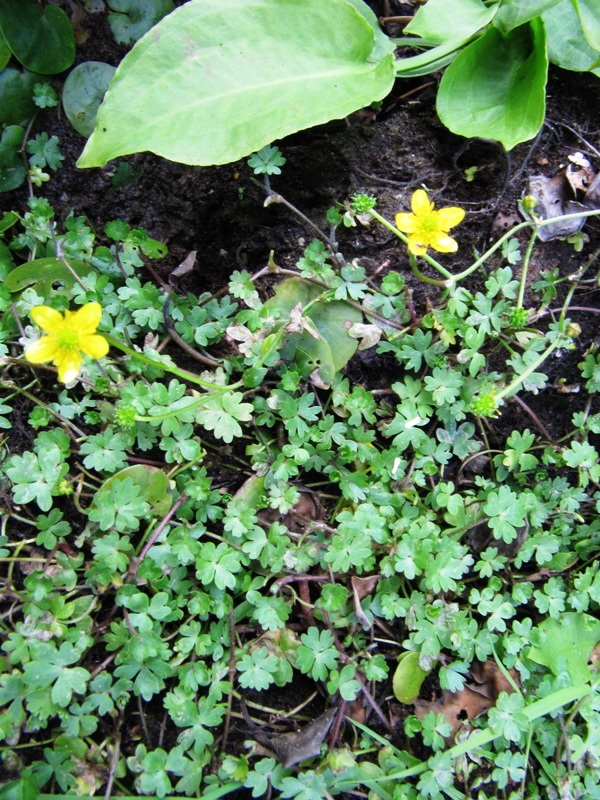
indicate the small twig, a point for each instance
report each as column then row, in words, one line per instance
column 135, row 564
column 277, row 198
column 563, row 742
column 163, row 727
column 144, row 723
column 97, row 670
column 227, row 724
column 201, row 357
column 114, row 761
column 539, row 424
column 578, row 135
column 346, row 660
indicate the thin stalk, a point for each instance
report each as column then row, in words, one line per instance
column 181, row 373
column 518, row 380
column 525, row 268
column 484, row 736
column 421, row 276
column 521, row 226
column 451, row 279
column 43, row 405
column 274, row 197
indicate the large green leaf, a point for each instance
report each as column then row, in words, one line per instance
column 218, row 79
column 440, row 21
column 495, row 89
column 589, row 17
column 330, row 319
column 41, row 39
column 16, row 95
column 449, row 24
column 47, row 274
column 567, row 44
column 82, row 94
column 12, row 169
column 513, row 13
column 152, row 482
column 5, row 53
column 134, row 18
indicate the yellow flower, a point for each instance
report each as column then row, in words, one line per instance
column 428, row 228
column 67, row 337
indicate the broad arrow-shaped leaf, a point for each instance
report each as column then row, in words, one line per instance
column 218, row 79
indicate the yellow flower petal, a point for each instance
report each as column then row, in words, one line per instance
column 94, row 345
column 449, row 217
column 416, row 247
column 48, row 319
column 407, row 223
column 86, row 319
column 443, row 243
column 68, row 363
column 420, row 204
column 43, row 350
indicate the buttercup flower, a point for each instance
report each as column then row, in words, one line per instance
column 67, row 337
column 428, row 228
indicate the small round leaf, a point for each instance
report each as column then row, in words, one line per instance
column 12, row 169
column 408, row 678
column 136, row 17
column 41, row 39
column 16, row 95
column 82, row 94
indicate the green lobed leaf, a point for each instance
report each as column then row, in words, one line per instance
column 495, row 89
column 121, row 505
column 209, row 90
column 152, row 483
column 22, row 789
column 42, row 39
column 570, row 638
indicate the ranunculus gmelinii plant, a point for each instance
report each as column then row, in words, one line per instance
column 426, row 227
column 67, row 337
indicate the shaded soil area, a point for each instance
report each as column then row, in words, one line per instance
column 219, row 213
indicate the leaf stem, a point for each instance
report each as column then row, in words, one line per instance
column 181, row 373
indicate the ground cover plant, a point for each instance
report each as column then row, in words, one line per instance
column 283, row 536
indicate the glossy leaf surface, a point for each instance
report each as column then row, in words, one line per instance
column 495, row 89
column 41, row 39
column 218, row 79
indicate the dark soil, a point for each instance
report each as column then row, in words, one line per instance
column 219, row 213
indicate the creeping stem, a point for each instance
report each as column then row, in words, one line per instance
column 451, row 279
column 181, row 373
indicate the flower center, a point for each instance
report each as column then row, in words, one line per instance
column 67, row 339
column 429, row 224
